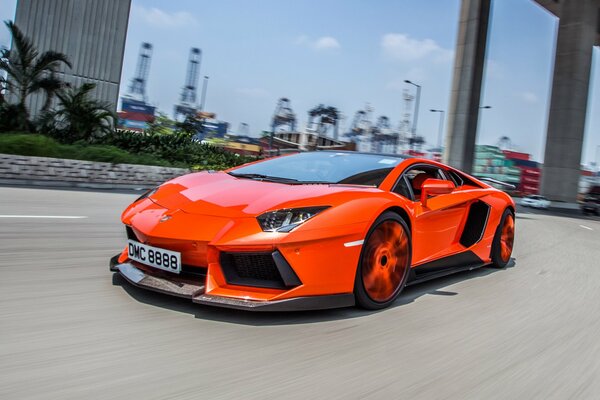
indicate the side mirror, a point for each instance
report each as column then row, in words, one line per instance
column 434, row 187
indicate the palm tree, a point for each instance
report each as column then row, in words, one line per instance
column 78, row 117
column 28, row 71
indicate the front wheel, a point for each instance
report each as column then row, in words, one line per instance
column 384, row 262
column 502, row 245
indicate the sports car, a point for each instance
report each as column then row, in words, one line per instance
column 313, row 230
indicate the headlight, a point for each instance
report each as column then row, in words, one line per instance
column 148, row 193
column 287, row 219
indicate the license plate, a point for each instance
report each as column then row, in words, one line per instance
column 166, row 260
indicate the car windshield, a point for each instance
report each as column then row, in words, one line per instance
column 323, row 167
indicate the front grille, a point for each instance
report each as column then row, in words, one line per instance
column 252, row 269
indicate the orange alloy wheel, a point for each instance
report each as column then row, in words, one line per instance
column 385, row 261
column 507, row 237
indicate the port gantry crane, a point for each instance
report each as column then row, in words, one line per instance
column 137, row 88
column 283, row 117
column 323, row 119
column 187, row 103
column 382, row 136
column 360, row 127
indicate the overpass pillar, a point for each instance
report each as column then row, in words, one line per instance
column 577, row 31
column 466, row 87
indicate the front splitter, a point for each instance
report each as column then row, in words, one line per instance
column 196, row 292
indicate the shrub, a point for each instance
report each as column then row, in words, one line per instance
column 177, row 147
column 43, row 146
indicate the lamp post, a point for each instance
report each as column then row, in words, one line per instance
column 418, row 100
column 441, row 128
column 598, row 164
column 203, row 98
column 482, row 108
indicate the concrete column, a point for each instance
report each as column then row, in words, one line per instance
column 466, row 86
column 577, row 32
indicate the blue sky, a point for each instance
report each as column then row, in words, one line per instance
column 347, row 53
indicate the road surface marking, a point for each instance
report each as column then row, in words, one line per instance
column 355, row 243
column 45, row 216
column 586, row 227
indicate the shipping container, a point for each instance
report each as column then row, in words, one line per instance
column 127, row 123
column 136, row 106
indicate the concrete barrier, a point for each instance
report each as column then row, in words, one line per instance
column 58, row 172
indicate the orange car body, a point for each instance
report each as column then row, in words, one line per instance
column 208, row 214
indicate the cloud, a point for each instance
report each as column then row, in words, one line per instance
column 162, row 19
column 528, row 97
column 324, row 43
column 401, row 47
column 253, row 92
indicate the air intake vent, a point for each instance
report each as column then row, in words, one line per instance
column 258, row 269
column 130, row 233
column 475, row 225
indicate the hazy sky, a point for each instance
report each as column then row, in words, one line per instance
column 347, row 53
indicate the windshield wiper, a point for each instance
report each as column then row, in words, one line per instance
column 278, row 179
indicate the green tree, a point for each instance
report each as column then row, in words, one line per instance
column 78, row 117
column 28, row 72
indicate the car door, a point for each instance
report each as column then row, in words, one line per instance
column 437, row 225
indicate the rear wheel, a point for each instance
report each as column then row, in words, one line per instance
column 502, row 246
column 384, row 262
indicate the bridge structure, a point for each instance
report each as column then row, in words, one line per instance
column 578, row 33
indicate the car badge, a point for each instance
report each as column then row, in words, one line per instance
column 165, row 218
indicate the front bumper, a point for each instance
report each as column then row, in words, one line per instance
column 196, row 292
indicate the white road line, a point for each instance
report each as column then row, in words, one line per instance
column 586, row 227
column 45, row 216
column 355, row 243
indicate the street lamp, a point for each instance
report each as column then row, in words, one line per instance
column 202, row 100
column 482, row 108
column 598, row 164
column 441, row 128
column 414, row 127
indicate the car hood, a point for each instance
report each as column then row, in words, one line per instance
column 221, row 194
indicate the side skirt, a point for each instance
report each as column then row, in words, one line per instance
column 465, row 261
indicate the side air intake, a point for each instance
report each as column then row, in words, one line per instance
column 476, row 223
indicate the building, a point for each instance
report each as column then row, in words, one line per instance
column 90, row 32
column 304, row 141
column 239, row 144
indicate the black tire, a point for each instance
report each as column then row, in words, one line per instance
column 500, row 258
column 377, row 284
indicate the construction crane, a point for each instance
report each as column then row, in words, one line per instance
column 187, row 103
column 137, row 88
column 283, row 118
column 322, row 119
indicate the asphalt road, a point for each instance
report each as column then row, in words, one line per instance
column 69, row 329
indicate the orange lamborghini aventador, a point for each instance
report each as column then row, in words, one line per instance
column 313, row 230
